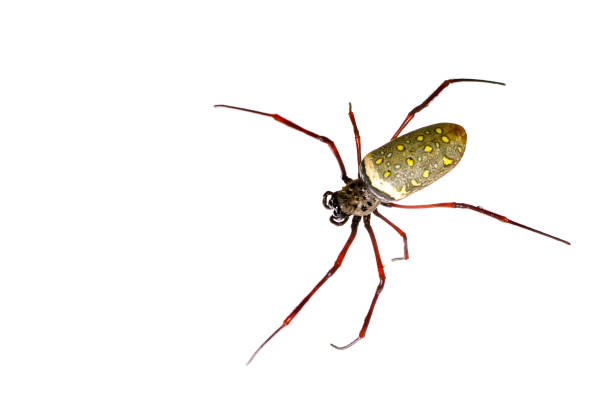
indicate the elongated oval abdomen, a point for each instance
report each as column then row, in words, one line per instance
column 413, row 161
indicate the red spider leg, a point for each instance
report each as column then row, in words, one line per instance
column 399, row 231
column 286, row 122
column 357, row 137
column 354, row 225
column 379, row 288
column 433, row 95
column 480, row 210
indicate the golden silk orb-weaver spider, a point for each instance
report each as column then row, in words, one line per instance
column 406, row 164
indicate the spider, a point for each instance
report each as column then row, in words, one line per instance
column 388, row 174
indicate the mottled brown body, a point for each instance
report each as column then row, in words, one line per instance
column 356, row 199
column 413, row 161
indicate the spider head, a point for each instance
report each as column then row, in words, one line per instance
column 353, row 199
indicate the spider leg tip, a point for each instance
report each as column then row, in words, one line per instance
column 337, row 347
column 347, row 346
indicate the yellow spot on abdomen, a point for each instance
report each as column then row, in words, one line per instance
column 439, row 131
column 400, row 147
column 410, row 161
column 447, row 161
column 426, row 173
column 420, row 138
column 379, row 161
column 445, row 139
column 428, row 149
column 386, row 173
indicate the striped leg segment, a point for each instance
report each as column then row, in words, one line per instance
column 399, row 231
column 328, row 275
column 357, row 137
column 286, row 122
column 379, row 288
column 431, row 97
column 481, row 210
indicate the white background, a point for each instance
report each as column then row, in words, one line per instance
column 149, row 242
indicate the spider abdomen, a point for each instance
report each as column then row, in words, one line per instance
column 413, row 161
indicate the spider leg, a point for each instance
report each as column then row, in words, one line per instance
column 480, row 210
column 379, row 288
column 289, row 318
column 399, row 231
column 286, row 122
column 435, row 93
column 357, row 137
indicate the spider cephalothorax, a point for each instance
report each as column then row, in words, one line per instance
column 354, row 199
